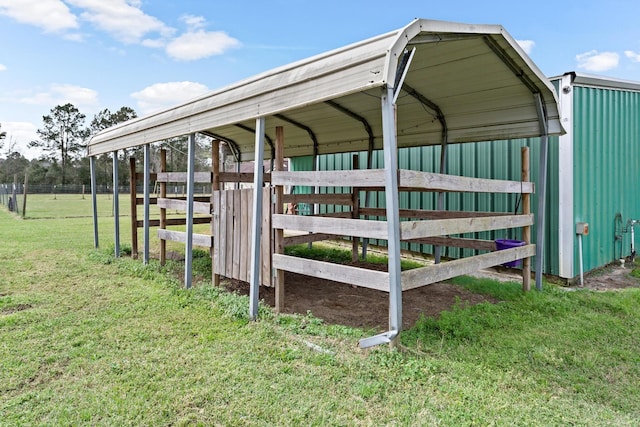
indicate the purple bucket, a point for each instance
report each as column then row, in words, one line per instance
column 508, row 244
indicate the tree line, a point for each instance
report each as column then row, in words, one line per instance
column 63, row 139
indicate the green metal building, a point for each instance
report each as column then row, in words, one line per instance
column 593, row 175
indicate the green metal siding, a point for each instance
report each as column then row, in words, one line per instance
column 606, row 175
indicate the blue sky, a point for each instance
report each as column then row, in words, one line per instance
column 151, row 54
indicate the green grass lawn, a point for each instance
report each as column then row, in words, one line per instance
column 86, row 339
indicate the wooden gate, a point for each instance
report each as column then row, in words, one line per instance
column 232, row 211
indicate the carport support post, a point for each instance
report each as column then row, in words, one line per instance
column 215, row 186
column 188, row 250
column 146, row 180
column 526, row 210
column 116, row 206
column 393, row 215
column 254, row 283
column 94, row 200
column 542, row 189
column 163, row 212
column 133, row 198
column 279, row 233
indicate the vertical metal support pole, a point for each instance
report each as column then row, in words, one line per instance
column 94, row 200
column 542, row 190
column 188, row 250
column 279, row 233
column 163, row 212
column 393, row 223
column 215, row 186
column 146, row 180
column 133, row 198
column 116, row 206
column 526, row 210
column 254, row 284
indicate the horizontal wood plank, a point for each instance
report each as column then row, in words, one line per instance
column 174, row 221
column 338, row 226
column 323, row 199
column 181, row 205
column 443, row 182
column 181, row 177
column 308, row 238
column 443, row 227
column 371, row 279
column 446, row 270
column 430, row 214
column 242, row 177
column 346, row 178
column 203, row 240
column 457, row 242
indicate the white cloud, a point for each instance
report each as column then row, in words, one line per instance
column 200, row 44
column 163, row 95
column 526, row 45
column 193, row 22
column 597, row 61
column 50, row 15
column 3, row 67
column 19, row 134
column 58, row 94
column 634, row 56
column 124, row 20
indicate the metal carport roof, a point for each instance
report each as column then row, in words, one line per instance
column 473, row 79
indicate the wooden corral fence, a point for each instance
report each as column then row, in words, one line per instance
column 420, row 226
column 230, row 214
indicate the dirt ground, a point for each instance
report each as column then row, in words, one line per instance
column 338, row 303
column 611, row 277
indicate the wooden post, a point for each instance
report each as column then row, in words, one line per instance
column 215, row 186
column 134, row 207
column 355, row 214
column 24, row 198
column 526, row 210
column 279, row 233
column 163, row 212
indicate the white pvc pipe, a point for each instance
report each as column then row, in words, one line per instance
column 580, row 256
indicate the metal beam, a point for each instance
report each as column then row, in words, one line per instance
column 233, row 146
column 541, row 188
column 188, row 251
column 116, row 207
column 94, row 200
column 515, row 68
column 269, row 140
column 256, row 220
column 302, row 126
column 146, row 183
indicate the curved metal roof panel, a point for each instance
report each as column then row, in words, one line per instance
column 475, row 77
